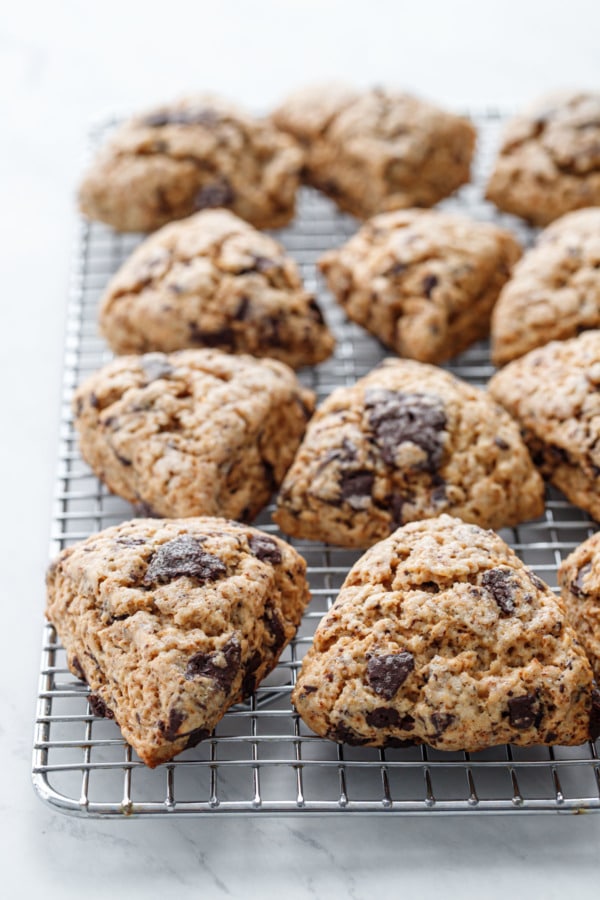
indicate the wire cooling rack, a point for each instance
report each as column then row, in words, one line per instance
column 262, row 759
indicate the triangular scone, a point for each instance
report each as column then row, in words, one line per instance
column 554, row 292
column 441, row 635
column 409, row 441
column 579, row 578
column 214, row 281
column 553, row 392
column 198, row 432
column 424, row 282
column 172, row 621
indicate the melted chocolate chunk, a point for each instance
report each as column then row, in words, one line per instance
column 99, row 707
column 383, row 717
column 315, row 310
column 176, row 718
column 398, row 418
column 265, row 549
column 398, row 743
column 386, row 674
column 155, row 366
column 441, row 721
column 183, row 557
column 357, row 484
column 522, row 711
column 501, row 584
column 429, row 282
column 275, row 626
column 536, row 582
column 501, row 443
column 577, row 584
column 344, row 735
column 395, row 505
column 181, row 117
column 249, row 680
column 210, row 196
column 241, row 313
column 75, row 664
column 222, row 666
column 195, row 736
column 595, row 715
column 225, row 337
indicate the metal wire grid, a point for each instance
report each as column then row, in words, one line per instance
column 262, row 759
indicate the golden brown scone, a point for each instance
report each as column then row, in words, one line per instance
column 377, row 149
column 214, row 281
column 196, row 153
column 441, row 635
column 549, row 161
column 197, row 432
column 170, row 622
column 408, row 441
column 554, row 393
column 554, row 292
column 423, row 282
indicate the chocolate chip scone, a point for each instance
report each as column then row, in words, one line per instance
column 554, row 292
column 377, row 149
column 198, row 432
column 579, row 579
column 554, row 392
column 441, row 635
column 214, row 281
column 409, row 441
column 422, row 282
column 172, row 621
column 196, row 153
column 549, row 160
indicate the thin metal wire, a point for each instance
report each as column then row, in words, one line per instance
column 262, row 759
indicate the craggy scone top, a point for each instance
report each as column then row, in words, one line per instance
column 441, row 635
column 195, row 153
column 377, row 149
column 214, row 281
column 549, row 160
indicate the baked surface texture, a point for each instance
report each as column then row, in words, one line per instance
column 196, row 153
column 441, row 635
column 554, row 292
column 579, row 579
column 554, row 393
column 214, row 281
column 377, row 149
column 197, row 432
column 423, row 282
column 549, row 159
column 408, row 441
column 170, row 622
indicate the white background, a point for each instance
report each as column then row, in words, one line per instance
column 62, row 66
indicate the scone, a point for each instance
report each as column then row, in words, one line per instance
column 549, row 160
column 409, row 441
column 422, row 282
column 441, row 635
column 196, row 153
column 378, row 149
column 579, row 579
column 214, row 281
column 554, row 292
column 554, row 393
column 198, row 432
column 170, row 622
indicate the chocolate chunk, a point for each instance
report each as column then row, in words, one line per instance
column 398, row 743
column 195, row 736
column 181, row 117
column 501, row 443
column 130, row 542
column 275, row 626
column 122, row 459
column 99, row 707
column 315, row 310
column 176, row 718
column 241, row 313
column 386, row 674
column 595, row 715
column 397, row 418
column 310, row 689
column 522, row 711
column 383, row 717
column 221, row 666
column 395, row 504
column 183, row 557
column 536, row 582
column 224, row 337
column 249, row 679
column 429, row 282
column 441, row 721
column 155, row 366
column 265, row 549
column 344, row 735
column 145, row 511
column 219, row 193
column 356, row 485
column 75, row 664
column 577, row 584
column 501, row 584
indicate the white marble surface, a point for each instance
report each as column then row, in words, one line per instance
column 63, row 65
